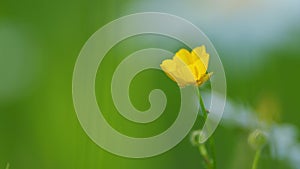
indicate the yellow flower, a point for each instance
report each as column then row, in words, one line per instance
column 188, row 68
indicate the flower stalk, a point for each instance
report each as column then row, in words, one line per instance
column 190, row 68
column 209, row 160
column 256, row 159
column 257, row 140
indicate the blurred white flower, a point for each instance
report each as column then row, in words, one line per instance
column 281, row 137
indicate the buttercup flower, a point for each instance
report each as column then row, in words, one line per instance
column 188, row 68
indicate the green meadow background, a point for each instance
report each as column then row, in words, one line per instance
column 258, row 43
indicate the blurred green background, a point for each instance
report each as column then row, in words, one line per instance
column 258, row 43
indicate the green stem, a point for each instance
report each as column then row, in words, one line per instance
column 213, row 153
column 7, row 166
column 211, row 163
column 256, row 159
column 207, row 160
column 203, row 109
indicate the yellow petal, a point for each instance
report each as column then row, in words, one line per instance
column 168, row 66
column 193, row 61
column 200, row 69
column 184, row 55
column 179, row 71
column 185, row 76
column 188, row 68
column 201, row 53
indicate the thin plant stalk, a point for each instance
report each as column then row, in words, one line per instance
column 210, row 161
column 256, row 159
column 207, row 159
column 213, row 153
